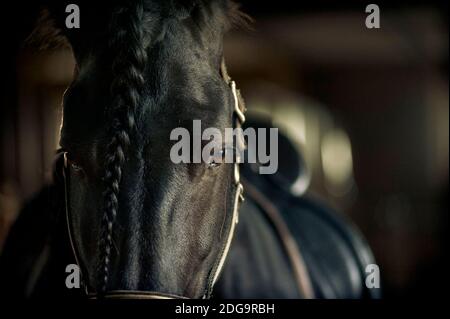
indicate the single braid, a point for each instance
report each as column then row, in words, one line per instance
column 127, row 43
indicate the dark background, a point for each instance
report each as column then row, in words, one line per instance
column 367, row 107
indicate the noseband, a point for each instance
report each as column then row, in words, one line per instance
column 238, row 119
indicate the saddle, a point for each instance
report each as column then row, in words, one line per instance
column 327, row 254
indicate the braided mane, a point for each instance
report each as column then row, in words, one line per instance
column 127, row 43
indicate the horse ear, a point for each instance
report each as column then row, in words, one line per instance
column 47, row 33
column 56, row 11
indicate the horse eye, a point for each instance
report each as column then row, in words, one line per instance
column 216, row 159
column 73, row 165
column 76, row 167
column 221, row 156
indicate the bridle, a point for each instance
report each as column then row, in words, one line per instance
column 238, row 119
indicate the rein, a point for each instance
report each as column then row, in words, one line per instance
column 299, row 269
column 239, row 119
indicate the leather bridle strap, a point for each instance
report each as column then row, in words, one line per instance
column 238, row 111
column 291, row 248
column 132, row 294
column 293, row 252
column 66, row 174
column 234, row 222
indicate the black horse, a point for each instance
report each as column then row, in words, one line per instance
column 139, row 225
